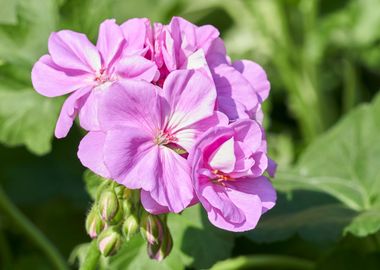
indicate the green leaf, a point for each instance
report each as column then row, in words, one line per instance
column 27, row 119
column 366, row 223
column 314, row 216
column 344, row 163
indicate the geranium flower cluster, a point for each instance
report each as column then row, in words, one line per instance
column 167, row 113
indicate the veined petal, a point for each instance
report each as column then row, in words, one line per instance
column 134, row 104
column 137, row 67
column 70, row 110
column 191, row 97
column 249, row 132
column 90, row 153
column 173, row 184
column 51, row 80
column 73, row 50
column 132, row 158
column 110, row 41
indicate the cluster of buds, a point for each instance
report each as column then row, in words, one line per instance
column 117, row 216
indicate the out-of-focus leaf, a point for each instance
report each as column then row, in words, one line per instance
column 8, row 14
column 314, row 216
column 366, row 223
column 344, row 163
column 93, row 181
column 27, row 118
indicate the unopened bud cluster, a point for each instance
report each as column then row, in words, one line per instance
column 117, row 216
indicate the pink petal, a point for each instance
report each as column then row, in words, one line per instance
column 233, row 88
column 248, row 132
column 51, row 80
column 256, row 76
column 173, row 184
column 73, row 50
column 191, row 97
column 187, row 136
column 135, row 33
column 151, row 205
column 217, row 196
column 137, row 67
column 90, row 153
column 110, row 41
column 132, row 158
column 272, row 167
column 133, row 104
column 70, row 110
column 223, row 158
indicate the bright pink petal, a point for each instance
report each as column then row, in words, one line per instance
column 232, row 87
column 90, row 153
column 256, row 75
column 70, row 110
column 110, row 41
column 132, row 158
column 272, row 167
column 173, row 184
column 151, row 205
column 51, row 80
column 248, row 132
column 73, row 50
column 137, row 67
column 131, row 103
column 191, row 97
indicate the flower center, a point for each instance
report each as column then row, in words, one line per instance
column 165, row 137
column 102, row 76
column 219, row 177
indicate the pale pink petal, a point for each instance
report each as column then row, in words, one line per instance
column 206, row 35
column 110, row 41
column 151, row 205
column 132, row 158
column 131, row 103
column 137, row 67
column 90, row 153
column 232, row 87
column 191, row 97
column 233, row 108
column 51, row 80
column 70, row 110
column 223, row 159
column 256, row 75
column 173, row 184
column 73, row 50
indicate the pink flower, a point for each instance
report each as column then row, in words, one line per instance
column 227, row 166
column 76, row 66
column 241, row 86
column 147, row 134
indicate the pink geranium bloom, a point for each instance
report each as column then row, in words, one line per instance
column 74, row 65
column 227, row 166
column 147, row 132
column 241, row 86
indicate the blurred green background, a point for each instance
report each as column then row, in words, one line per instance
column 323, row 121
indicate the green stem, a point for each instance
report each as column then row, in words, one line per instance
column 31, row 231
column 267, row 261
column 92, row 257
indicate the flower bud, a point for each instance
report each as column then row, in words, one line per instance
column 108, row 205
column 119, row 215
column 94, row 224
column 109, row 241
column 151, row 228
column 162, row 249
column 130, row 227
